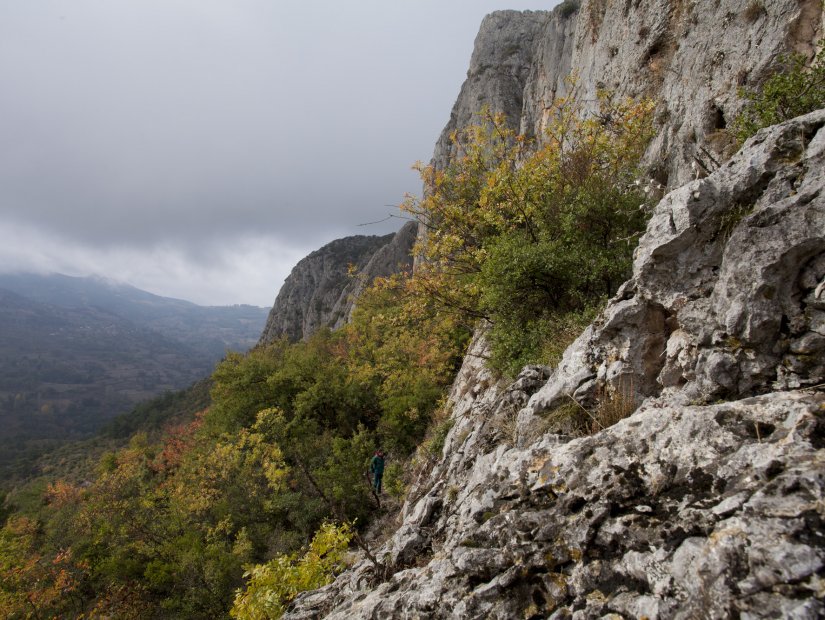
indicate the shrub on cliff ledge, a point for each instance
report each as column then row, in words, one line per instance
column 795, row 89
column 273, row 585
column 520, row 235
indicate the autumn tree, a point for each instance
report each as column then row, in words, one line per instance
column 529, row 235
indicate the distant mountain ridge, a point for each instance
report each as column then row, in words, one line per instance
column 211, row 329
column 76, row 352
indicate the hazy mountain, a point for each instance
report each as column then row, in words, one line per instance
column 75, row 352
column 213, row 329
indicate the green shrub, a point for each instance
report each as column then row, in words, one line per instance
column 795, row 89
column 524, row 236
column 273, row 585
column 435, row 443
column 568, row 7
column 394, row 480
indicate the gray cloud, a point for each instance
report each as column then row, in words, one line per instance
column 212, row 135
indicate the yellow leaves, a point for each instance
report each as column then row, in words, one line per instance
column 28, row 580
column 240, row 459
column 271, row 586
column 502, row 201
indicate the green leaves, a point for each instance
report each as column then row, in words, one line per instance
column 795, row 89
column 273, row 585
column 522, row 236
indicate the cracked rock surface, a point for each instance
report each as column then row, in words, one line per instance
column 709, row 500
column 676, row 512
column 723, row 300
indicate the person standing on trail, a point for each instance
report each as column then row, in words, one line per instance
column 377, row 470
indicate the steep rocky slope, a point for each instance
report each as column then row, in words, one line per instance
column 689, row 56
column 683, row 509
column 321, row 292
column 706, row 500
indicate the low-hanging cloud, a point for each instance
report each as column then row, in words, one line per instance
column 193, row 137
column 238, row 269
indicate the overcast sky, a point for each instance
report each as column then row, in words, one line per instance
column 199, row 148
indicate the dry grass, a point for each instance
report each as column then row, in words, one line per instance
column 562, row 331
column 615, row 403
column 504, row 425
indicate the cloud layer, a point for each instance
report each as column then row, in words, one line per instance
column 198, row 148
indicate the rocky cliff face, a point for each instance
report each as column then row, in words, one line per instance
column 687, row 508
column 690, row 57
column 502, row 61
column 706, row 499
column 320, row 291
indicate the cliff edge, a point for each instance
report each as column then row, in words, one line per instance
column 705, row 502
column 321, row 292
column 706, row 499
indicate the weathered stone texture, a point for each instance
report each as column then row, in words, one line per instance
column 683, row 509
column 708, row 500
column 722, row 303
column 690, row 57
column 320, row 291
column 679, row 512
column 500, row 65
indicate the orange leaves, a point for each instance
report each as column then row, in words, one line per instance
column 33, row 584
column 61, row 494
column 179, row 440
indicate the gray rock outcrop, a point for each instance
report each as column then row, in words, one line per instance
column 500, row 65
column 724, row 301
column 705, row 502
column 706, row 499
column 690, row 57
column 321, row 292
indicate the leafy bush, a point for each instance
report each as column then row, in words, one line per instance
column 795, row 89
column 522, row 236
column 394, row 480
column 273, row 585
column 409, row 354
column 568, row 7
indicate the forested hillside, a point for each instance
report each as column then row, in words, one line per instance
column 595, row 397
column 169, row 524
column 76, row 352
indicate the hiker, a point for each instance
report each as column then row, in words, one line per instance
column 377, row 470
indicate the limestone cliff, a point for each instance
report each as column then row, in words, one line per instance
column 683, row 509
column 321, row 292
column 707, row 500
column 689, row 56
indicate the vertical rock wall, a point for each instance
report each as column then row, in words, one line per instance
column 708, row 500
column 683, row 509
column 320, row 291
column 690, row 57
